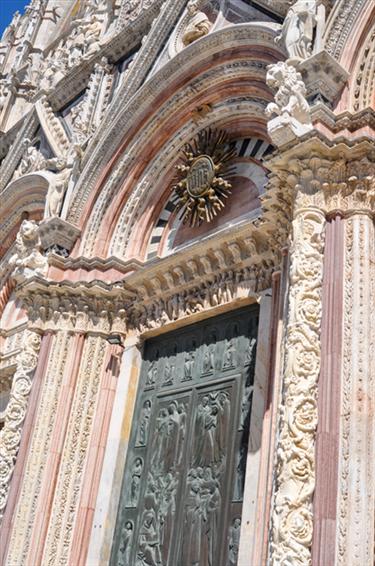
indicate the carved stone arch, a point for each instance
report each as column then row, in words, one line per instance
column 24, row 195
column 244, row 83
column 138, row 217
column 250, row 151
column 109, row 177
column 362, row 78
column 343, row 21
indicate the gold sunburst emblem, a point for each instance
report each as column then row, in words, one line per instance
column 201, row 187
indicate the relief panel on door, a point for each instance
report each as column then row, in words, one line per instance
column 182, row 491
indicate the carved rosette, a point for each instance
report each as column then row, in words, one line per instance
column 10, row 435
column 295, row 469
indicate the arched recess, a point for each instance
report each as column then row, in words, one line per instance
column 24, row 195
column 168, row 231
column 354, row 48
column 225, row 70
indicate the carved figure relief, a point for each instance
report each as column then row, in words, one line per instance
column 135, row 482
column 126, row 542
column 234, row 541
column 144, row 424
column 198, row 25
column 229, row 360
column 32, row 160
column 188, row 453
column 188, row 366
column 298, row 28
column 152, row 373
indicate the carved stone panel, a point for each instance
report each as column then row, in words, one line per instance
column 182, row 491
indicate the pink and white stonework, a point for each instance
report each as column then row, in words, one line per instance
column 98, row 99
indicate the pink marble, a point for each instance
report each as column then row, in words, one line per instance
column 327, row 440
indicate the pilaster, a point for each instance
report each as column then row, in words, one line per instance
column 356, row 495
column 115, row 454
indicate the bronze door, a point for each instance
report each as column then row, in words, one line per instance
column 182, row 491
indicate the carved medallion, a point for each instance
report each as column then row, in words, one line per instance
column 203, row 189
column 200, row 176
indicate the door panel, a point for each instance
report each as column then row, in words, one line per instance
column 182, row 491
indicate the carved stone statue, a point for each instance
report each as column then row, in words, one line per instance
column 298, row 28
column 290, row 103
column 32, row 160
column 28, row 259
column 198, row 26
column 92, row 35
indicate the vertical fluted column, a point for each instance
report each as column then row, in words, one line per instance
column 356, row 494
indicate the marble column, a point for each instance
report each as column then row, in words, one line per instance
column 356, row 490
column 327, row 439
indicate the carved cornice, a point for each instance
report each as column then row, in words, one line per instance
column 235, row 264
column 346, row 121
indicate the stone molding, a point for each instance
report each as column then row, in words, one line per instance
column 40, row 444
column 356, row 476
column 10, row 435
column 340, row 24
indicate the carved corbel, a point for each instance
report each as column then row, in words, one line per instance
column 235, row 250
column 180, row 275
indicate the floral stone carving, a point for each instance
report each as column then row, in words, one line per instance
column 295, row 473
column 10, row 435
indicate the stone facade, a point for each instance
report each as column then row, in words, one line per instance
column 163, row 164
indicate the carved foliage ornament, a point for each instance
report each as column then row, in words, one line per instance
column 15, row 413
column 203, row 189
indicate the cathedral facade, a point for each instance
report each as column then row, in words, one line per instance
column 187, row 283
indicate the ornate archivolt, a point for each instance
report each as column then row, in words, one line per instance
column 159, row 170
column 245, row 35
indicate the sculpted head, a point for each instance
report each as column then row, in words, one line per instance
column 29, row 231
